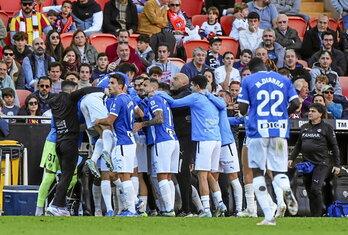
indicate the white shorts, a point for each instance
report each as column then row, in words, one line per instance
column 123, row 158
column 229, row 162
column 165, row 157
column 141, row 154
column 207, row 155
column 268, row 153
column 246, row 141
column 92, row 107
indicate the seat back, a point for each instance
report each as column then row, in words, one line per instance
column 229, row 44
column 4, row 17
column 199, row 20
column 133, row 40
column 191, row 7
column 177, row 61
column 191, row 45
column 303, row 62
column 66, row 38
column 226, row 23
column 101, row 41
column 298, row 23
column 22, row 94
column 10, row 6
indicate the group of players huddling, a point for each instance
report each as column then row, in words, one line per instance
column 265, row 97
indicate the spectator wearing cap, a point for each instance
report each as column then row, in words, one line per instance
column 267, row 12
column 251, row 37
column 120, row 14
column 144, row 51
column 154, row 17
column 214, row 58
column 286, row 36
column 335, row 109
column 312, row 41
column 169, row 69
column 197, row 66
column 275, row 51
column 30, row 21
column 88, row 16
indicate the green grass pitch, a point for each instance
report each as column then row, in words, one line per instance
column 13, row 225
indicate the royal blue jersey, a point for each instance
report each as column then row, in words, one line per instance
column 204, row 115
column 123, row 107
column 165, row 131
column 268, row 95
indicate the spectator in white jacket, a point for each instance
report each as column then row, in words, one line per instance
column 251, row 37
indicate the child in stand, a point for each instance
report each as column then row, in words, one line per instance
column 65, row 22
column 144, row 51
column 9, row 108
column 245, row 57
column 211, row 28
column 320, row 81
column 214, row 58
column 156, row 73
column 101, row 69
column 240, row 23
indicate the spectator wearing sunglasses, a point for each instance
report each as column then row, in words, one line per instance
column 31, row 107
column 43, row 93
column 13, row 67
column 335, row 109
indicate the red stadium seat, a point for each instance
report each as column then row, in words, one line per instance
column 102, row 3
column 340, row 25
column 133, row 40
column 101, row 41
column 332, row 23
column 229, row 44
column 191, row 7
column 199, row 20
column 10, row 6
column 177, row 61
column 226, row 23
column 22, row 94
column 4, row 17
column 191, row 45
column 303, row 63
column 66, row 38
column 298, row 23
column 344, row 85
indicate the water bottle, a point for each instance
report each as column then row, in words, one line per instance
column 80, row 211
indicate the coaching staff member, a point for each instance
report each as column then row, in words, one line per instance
column 64, row 111
column 314, row 141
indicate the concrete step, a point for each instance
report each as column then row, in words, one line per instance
column 317, row 14
column 312, row 6
column 308, row 0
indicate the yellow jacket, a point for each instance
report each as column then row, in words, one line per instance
column 153, row 19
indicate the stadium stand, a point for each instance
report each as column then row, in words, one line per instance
column 177, row 61
column 101, row 41
column 229, row 44
column 191, row 7
column 199, row 20
column 190, row 45
column 66, row 39
column 298, row 23
column 226, row 23
column 22, row 94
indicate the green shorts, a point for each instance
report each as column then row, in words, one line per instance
column 49, row 159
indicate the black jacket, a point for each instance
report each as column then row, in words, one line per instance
column 64, row 112
column 312, row 43
column 44, row 106
column 314, row 143
column 339, row 63
column 290, row 40
column 110, row 14
column 182, row 116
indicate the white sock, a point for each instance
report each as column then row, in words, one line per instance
column 135, row 182
column 120, row 196
column 282, row 181
column 279, row 193
column 114, row 199
column 172, row 193
column 144, row 199
column 96, row 191
column 205, row 203
column 261, row 193
column 237, row 194
column 196, row 200
column 98, row 148
column 217, row 198
column 107, row 140
column 129, row 195
column 249, row 196
column 165, row 194
column 106, row 192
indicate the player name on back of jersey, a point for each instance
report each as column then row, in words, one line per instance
column 269, row 80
